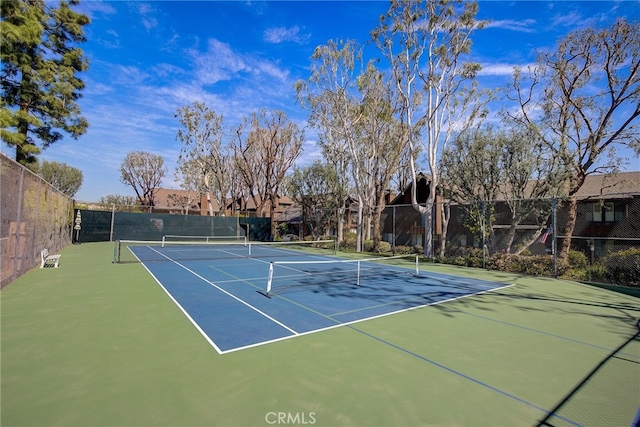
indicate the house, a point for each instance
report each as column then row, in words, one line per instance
column 191, row 203
column 292, row 220
column 608, row 214
column 401, row 223
column 608, row 218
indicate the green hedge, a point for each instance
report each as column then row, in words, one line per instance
column 623, row 267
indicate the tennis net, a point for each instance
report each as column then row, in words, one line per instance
column 128, row 251
column 172, row 238
column 284, row 275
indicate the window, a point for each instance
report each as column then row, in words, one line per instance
column 604, row 211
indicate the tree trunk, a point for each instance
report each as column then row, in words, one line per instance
column 570, row 225
column 377, row 213
column 445, row 209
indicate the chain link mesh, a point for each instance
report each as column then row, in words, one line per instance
column 34, row 216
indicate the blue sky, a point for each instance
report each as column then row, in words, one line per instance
column 147, row 59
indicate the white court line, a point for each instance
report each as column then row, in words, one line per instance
column 295, row 334
column 221, row 290
column 206, row 337
column 339, row 325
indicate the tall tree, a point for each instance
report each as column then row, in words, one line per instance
column 143, row 172
column 425, row 42
column 266, row 146
column 382, row 143
column 588, row 90
column 485, row 165
column 188, row 173
column 40, row 67
column 62, row 176
column 318, row 190
column 333, row 101
column 203, row 149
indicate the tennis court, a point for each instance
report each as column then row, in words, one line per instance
column 240, row 294
column 94, row 343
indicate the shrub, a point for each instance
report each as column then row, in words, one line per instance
column 577, row 259
column 385, row 247
column 404, row 250
column 595, row 273
column 623, row 267
column 348, row 241
column 532, row 265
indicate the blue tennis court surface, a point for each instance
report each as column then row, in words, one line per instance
column 224, row 297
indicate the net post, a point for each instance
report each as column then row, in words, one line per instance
column 270, row 279
column 116, row 252
column 164, row 236
column 417, row 268
column 249, row 245
column 358, row 279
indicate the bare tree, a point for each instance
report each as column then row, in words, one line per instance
column 143, row 172
column 266, row 146
column 588, row 91
column 425, row 41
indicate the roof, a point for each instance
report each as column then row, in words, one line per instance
column 618, row 185
column 612, row 186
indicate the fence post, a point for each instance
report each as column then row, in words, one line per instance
column 484, row 243
column 553, row 237
column 113, row 215
column 393, row 230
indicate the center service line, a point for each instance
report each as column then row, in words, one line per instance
column 228, row 293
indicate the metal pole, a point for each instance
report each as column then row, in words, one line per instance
column 113, row 214
column 553, row 237
column 482, row 223
column 393, row 231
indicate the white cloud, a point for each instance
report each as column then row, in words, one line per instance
column 498, row 69
column 525, row 26
column 218, row 63
column 147, row 12
column 278, row 35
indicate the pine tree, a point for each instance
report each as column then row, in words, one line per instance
column 40, row 63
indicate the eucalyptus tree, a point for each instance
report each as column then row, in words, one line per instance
column 425, row 43
column 265, row 147
column 352, row 105
column 382, row 146
column 143, row 171
column 189, row 174
column 40, row 74
column 584, row 99
column 472, row 174
column 203, row 155
column 509, row 165
column 531, row 176
column 332, row 98
column 319, row 191
column 65, row 178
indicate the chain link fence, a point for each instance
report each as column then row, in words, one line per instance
column 527, row 236
column 120, row 222
column 34, row 216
